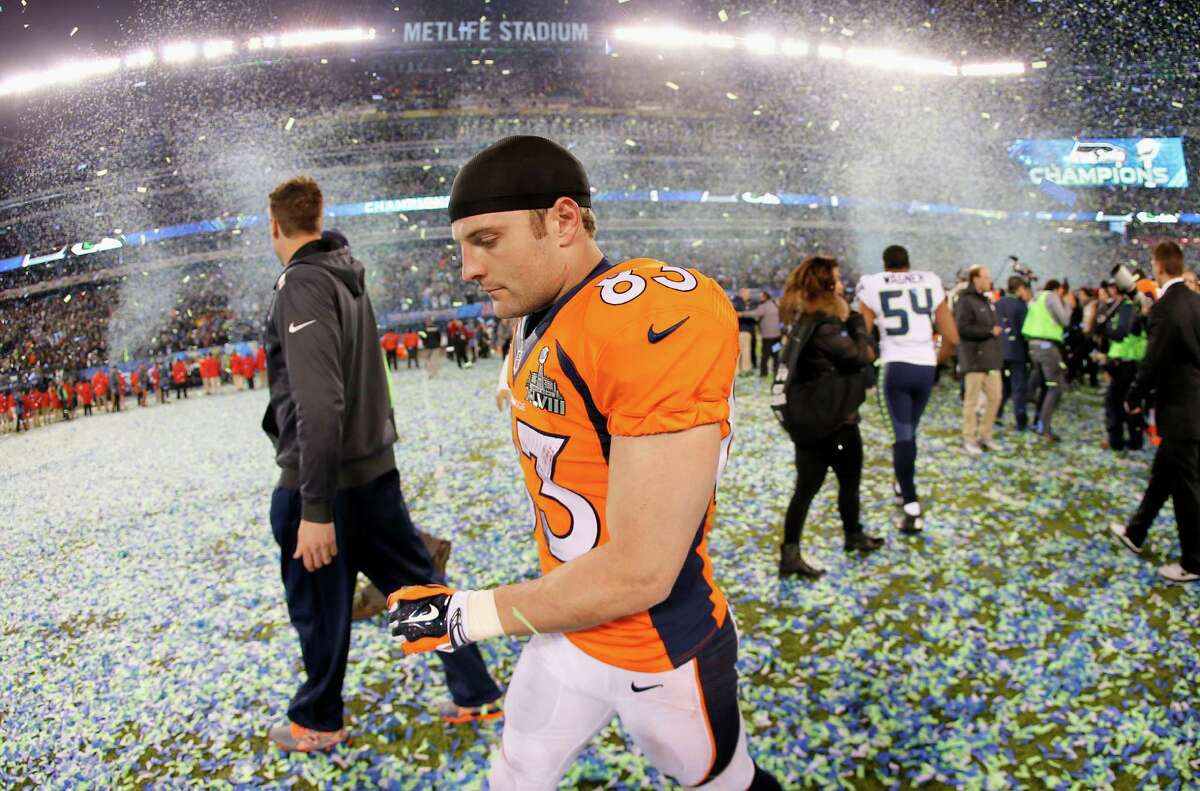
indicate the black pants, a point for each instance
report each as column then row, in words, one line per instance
column 391, row 358
column 769, row 350
column 460, row 353
column 843, row 451
column 87, row 409
column 375, row 536
column 413, row 360
column 1175, row 474
column 1124, row 430
column 1016, row 389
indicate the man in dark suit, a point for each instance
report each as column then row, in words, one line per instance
column 1011, row 310
column 1171, row 372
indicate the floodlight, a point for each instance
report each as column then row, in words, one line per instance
column 139, row 60
column 221, row 48
column 1001, row 69
column 180, row 52
column 761, row 44
column 793, row 48
column 308, row 38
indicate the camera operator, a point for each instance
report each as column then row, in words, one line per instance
column 1044, row 326
column 1170, row 373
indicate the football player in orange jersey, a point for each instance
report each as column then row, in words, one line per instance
column 621, row 380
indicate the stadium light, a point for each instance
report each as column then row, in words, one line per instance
column 63, row 74
column 1001, row 69
column 671, row 37
column 309, row 38
column 180, row 52
column 139, row 60
column 761, row 44
column 890, row 60
column 930, row 66
column 793, row 48
column 221, row 48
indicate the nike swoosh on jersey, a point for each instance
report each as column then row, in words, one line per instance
column 636, row 688
column 655, row 337
column 423, row 617
column 294, row 327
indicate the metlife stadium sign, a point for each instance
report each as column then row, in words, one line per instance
column 1106, row 162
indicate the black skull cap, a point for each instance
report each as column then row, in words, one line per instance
column 520, row 172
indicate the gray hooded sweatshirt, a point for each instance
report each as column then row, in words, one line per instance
column 330, row 416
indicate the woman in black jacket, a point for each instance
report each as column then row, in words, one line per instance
column 839, row 348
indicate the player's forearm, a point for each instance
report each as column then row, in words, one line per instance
column 597, row 587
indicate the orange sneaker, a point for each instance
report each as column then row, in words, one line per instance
column 293, row 738
column 454, row 714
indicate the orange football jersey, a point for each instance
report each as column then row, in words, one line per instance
column 637, row 348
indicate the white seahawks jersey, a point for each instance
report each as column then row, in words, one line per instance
column 903, row 304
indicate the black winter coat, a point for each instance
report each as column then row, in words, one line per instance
column 836, row 349
column 979, row 347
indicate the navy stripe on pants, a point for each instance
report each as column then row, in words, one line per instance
column 376, row 536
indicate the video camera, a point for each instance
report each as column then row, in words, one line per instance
column 1028, row 274
column 1125, row 280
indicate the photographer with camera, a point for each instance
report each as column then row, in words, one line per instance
column 1044, row 327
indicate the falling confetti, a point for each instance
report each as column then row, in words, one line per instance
column 1000, row 650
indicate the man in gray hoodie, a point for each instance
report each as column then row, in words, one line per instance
column 337, row 509
column 1044, row 327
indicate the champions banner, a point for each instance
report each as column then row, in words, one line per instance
column 1104, row 162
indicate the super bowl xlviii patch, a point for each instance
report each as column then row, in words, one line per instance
column 541, row 391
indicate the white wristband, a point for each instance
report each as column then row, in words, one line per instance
column 483, row 621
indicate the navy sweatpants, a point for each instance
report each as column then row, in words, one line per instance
column 375, row 535
column 907, row 388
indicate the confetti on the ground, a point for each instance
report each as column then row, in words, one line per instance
column 1011, row 645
